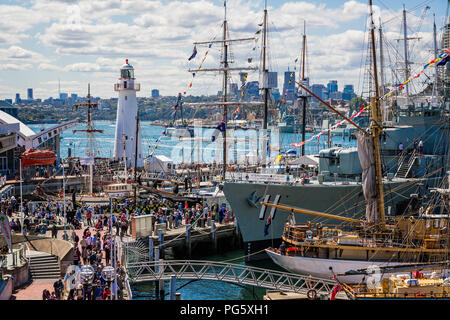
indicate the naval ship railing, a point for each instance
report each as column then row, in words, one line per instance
column 231, row 273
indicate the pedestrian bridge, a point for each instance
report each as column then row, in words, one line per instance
column 227, row 272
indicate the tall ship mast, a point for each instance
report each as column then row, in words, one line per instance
column 225, row 70
column 90, row 154
column 333, row 183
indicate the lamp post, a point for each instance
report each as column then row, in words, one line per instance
column 108, row 273
column 65, row 237
column 86, row 276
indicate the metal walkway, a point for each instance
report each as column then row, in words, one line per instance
column 232, row 273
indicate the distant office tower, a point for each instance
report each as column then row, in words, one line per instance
column 63, row 96
column 276, row 94
column 9, row 101
column 348, row 93
column 273, row 80
column 252, row 88
column 30, row 93
column 155, row 93
column 74, row 96
column 127, row 111
column 318, row 90
column 234, row 89
column 332, row 86
column 289, row 85
column 18, row 100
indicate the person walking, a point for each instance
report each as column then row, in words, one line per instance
column 54, row 231
column 420, row 146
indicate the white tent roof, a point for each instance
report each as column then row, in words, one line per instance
column 9, row 119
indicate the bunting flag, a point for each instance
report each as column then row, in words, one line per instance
column 194, row 53
column 237, row 113
column 334, row 127
column 441, row 60
column 278, row 159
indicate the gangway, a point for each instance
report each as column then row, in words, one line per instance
column 228, row 272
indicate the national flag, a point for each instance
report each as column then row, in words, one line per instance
column 194, row 53
column 220, row 128
column 266, row 226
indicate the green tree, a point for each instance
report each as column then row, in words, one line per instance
column 356, row 103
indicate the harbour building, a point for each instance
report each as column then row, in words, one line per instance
column 16, row 137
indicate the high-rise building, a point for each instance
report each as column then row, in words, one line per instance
column 349, row 92
column 30, row 93
column 234, row 89
column 74, row 96
column 63, row 96
column 289, row 85
column 18, row 100
column 319, row 90
column 252, row 89
column 332, row 86
column 273, row 80
column 155, row 93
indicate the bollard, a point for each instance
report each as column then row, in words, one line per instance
column 173, row 286
column 213, row 234
column 150, row 248
column 177, row 296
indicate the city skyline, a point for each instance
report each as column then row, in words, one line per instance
column 82, row 41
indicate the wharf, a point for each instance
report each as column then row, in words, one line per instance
column 184, row 240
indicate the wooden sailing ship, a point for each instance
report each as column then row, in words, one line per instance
column 375, row 242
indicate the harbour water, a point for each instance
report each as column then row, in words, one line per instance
column 210, row 289
column 202, row 289
column 183, row 151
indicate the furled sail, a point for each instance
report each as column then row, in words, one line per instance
column 367, row 160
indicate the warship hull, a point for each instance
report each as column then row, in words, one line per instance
column 340, row 198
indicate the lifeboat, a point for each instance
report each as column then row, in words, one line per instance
column 32, row 157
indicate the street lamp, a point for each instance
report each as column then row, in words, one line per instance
column 108, row 273
column 86, row 276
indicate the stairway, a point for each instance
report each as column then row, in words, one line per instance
column 43, row 265
column 405, row 165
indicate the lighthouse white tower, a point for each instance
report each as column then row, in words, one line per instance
column 125, row 138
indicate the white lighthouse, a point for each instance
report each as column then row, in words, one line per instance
column 125, row 138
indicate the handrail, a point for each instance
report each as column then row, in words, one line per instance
column 234, row 273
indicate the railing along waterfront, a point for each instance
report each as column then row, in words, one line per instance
column 232, row 273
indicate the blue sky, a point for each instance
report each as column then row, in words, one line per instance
column 81, row 41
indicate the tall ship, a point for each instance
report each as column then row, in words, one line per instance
column 408, row 172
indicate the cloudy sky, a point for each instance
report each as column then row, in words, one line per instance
column 81, row 41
